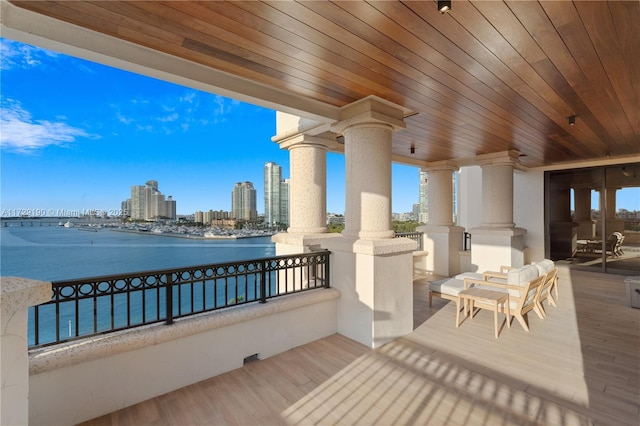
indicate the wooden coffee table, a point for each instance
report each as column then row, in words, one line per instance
column 485, row 299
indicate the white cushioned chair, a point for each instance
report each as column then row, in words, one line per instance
column 523, row 285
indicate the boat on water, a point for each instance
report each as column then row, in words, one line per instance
column 68, row 224
column 87, row 228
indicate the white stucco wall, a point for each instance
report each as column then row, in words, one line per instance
column 83, row 380
column 470, row 197
column 528, row 211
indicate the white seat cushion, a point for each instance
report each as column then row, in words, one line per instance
column 480, row 277
column 450, row 286
column 472, row 275
column 453, row 286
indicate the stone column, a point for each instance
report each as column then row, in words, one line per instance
column 442, row 240
column 372, row 270
column 18, row 294
column 582, row 214
column 497, row 242
column 497, row 193
column 368, row 180
column 613, row 224
column 308, row 185
column 307, row 202
column 308, row 142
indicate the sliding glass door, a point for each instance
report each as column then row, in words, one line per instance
column 593, row 217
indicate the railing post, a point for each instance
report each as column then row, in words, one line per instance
column 263, row 282
column 169, row 296
column 327, row 271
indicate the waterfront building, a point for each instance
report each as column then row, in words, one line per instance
column 207, row 217
column 272, row 177
column 198, row 217
column 243, row 202
column 125, row 208
column 137, row 211
column 211, row 216
column 148, row 203
column 220, row 214
column 276, row 195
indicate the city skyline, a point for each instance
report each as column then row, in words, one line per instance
column 97, row 129
column 75, row 133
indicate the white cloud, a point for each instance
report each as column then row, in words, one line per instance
column 174, row 114
column 14, row 55
column 19, row 132
column 188, row 97
column 124, row 120
column 169, row 118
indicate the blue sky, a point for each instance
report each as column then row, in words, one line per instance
column 77, row 135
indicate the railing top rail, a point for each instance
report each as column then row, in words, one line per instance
column 184, row 268
column 96, row 305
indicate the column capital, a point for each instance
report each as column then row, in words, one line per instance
column 326, row 141
column 371, row 111
column 504, row 158
column 440, row 166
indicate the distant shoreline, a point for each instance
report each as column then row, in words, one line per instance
column 189, row 237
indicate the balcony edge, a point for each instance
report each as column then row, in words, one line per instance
column 79, row 351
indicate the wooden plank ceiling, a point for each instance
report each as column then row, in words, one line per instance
column 487, row 77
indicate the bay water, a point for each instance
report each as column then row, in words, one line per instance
column 51, row 253
column 38, row 250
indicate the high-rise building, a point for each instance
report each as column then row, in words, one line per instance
column 416, row 211
column 171, row 208
column 126, row 208
column 138, row 202
column 243, row 202
column 423, row 210
column 284, row 202
column 272, row 178
column 423, row 214
column 147, row 203
column 276, row 195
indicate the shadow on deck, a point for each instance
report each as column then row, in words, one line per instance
column 580, row 366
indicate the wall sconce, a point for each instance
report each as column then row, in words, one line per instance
column 572, row 120
column 412, row 149
column 444, row 6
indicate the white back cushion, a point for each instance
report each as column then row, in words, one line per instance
column 521, row 277
column 544, row 266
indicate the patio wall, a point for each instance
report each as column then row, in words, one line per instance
column 528, row 207
column 528, row 211
column 85, row 379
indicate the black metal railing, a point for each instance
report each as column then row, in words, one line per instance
column 466, row 241
column 91, row 306
column 632, row 225
column 415, row 236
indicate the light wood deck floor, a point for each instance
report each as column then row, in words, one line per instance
column 579, row 366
